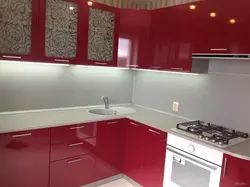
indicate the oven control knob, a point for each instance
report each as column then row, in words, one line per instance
column 191, row 148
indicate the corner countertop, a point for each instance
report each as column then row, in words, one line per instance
column 27, row 120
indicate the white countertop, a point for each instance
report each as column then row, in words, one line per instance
column 26, row 120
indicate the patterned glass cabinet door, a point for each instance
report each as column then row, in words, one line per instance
column 61, row 30
column 18, row 23
column 103, row 33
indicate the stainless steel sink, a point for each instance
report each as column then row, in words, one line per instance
column 103, row 112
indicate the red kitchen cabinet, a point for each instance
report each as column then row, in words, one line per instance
column 19, row 28
column 109, row 148
column 159, row 40
column 73, row 133
column 154, row 152
column 144, row 154
column 59, row 31
column 134, row 38
column 71, row 172
column 24, row 158
column 235, row 172
column 99, row 42
column 215, row 33
column 133, row 151
column 181, row 37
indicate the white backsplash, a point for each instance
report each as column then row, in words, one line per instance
column 38, row 86
column 221, row 97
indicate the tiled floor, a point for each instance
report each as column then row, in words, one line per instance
column 118, row 183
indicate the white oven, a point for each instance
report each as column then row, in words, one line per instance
column 189, row 164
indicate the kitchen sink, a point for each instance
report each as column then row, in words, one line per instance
column 103, row 112
column 113, row 111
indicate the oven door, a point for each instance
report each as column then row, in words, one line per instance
column 185, row 170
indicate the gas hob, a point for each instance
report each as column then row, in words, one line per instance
column 212, row 134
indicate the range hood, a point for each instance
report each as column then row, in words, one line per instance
column 221, row 56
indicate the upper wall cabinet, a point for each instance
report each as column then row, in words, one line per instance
column 134, row 35
column 18, row 26
column 59, row 30
column 222, row 27
column 102, row 35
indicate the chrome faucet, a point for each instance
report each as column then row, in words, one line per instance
column 105, row 99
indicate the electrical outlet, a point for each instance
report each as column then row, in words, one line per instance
column 175, row 106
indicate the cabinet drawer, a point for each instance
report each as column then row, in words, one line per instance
column 40, row 136
column 72, row 172
column 66, row 150
column 73, row 132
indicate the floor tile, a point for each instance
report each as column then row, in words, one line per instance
column 118, row 183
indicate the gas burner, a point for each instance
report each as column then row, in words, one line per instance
column 213, row 134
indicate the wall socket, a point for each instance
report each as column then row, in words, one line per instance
column 175, row 106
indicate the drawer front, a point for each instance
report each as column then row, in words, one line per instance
column 72, row 172
column 73, row 132
column 29, row 137
column 66, row 150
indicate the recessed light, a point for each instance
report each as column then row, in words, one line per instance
column 232, row 21
column 90, row 3
column 192, row 7
column 212, row 14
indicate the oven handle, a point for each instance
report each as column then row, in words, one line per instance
column 195, row 161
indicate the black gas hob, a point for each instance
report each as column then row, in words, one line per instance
column 212, row 133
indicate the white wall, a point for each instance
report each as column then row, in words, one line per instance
column 38, row 86
column 221, row 97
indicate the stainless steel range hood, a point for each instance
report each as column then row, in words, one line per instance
column 221, row 56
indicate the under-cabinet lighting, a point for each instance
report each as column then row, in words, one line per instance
column 103, row 67
column 170, row 72
column 71, row 8
column 37, row 63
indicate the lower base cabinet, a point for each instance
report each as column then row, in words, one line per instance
column 235, row 172
column 72, row 172
column 144, row 157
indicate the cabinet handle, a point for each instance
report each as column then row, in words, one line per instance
column 101, row 63
column 153, row 131
column 113, row 122
column 132, row 66
column 164, row 140
column 225, row 167
column 76, row 160
column 75, row 144
column 176, row 68
column 155, row 67
column 218, row 49
column 134, row 124
column 21, row 135
column 80, row 127
column 61, row 60
column 6, row 56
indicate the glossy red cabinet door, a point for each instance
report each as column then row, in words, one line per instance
column 109, row 148
column 133, row 151
column 181, row 37
column 154, row 153
column 235, row 172
column 24, row 158
column 134, row 37
column 71, row 172
column 159, row 40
